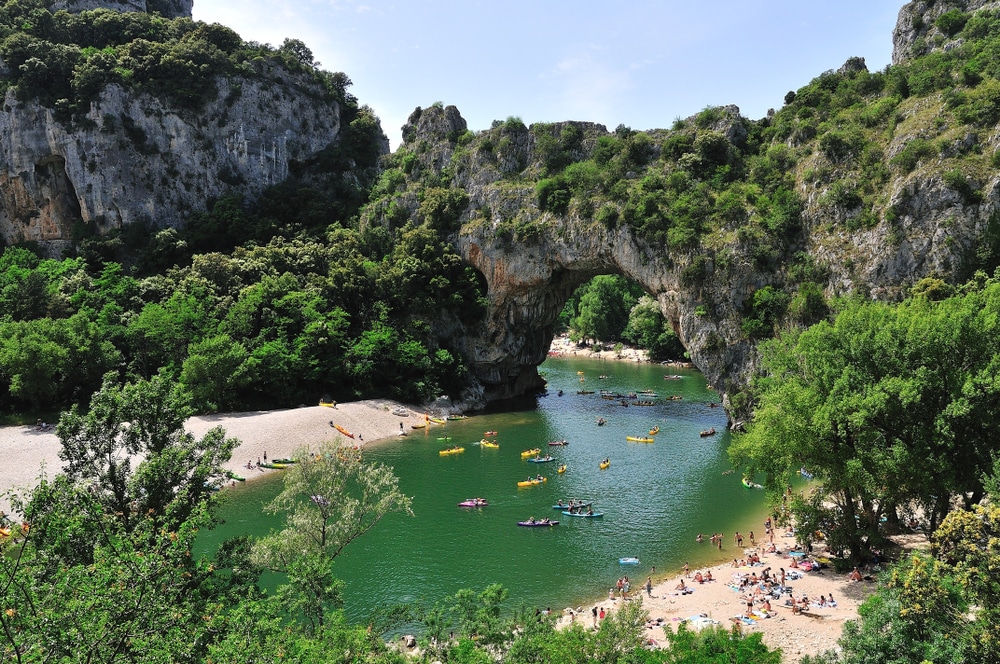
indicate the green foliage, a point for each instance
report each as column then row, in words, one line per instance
column 648, row 329
column 957, row 180
column 557, row 151
column 841, row 194
column 330, row 498
column 838, row 145
column 951, row 22
column 809, row 305
column 710, row 645
column 441, row 208
column 553, row 195
column 767, row 309
column 916, row 615
column 65, row 60
column 883, row 405
column 136, row 595
column 913, row 153
column 604, row 306
column 175, row 473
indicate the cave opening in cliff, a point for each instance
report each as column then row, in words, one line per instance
column 611, row 310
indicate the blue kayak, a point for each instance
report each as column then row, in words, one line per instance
column 544, row 459
column 595, row 515
column 628, row 561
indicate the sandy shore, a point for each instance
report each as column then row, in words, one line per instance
column 561, row 345
column 29, row 453
column 721, row 602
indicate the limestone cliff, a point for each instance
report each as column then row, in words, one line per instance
column 136, row 159
column 918, row 30
column 166, row 8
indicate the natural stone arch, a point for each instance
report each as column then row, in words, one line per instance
column 529, row 282
column 532, row 260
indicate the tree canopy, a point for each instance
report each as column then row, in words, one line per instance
column 886, row 406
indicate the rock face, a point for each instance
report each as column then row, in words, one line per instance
column 136, row 160
column 532, row 260
column 166, row 8
column 917, row 32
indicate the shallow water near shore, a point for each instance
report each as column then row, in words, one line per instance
column 656, row 497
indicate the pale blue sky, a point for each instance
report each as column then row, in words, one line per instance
column 641, row 63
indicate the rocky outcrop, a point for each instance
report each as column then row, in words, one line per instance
column 135, row 159
column 166, row 8
column 917, row 31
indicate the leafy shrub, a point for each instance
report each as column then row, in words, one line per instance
column 841, row 194
column 781, row 212
column 708, row 117
column 876, row 113
column 952, row 21
column 442, row 208
column 980, row 106
column 554, row 195
column 840, row 144
column 809, row 305
column 911, row 155
column 769, row 305
column 695, row 272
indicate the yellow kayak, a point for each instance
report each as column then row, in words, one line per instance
column 654, row 431
column 453, row 450
column 561, row 469
column 532, row 482
column 604, row 464
column 530, row 453
column 489, row 443
column 637, row 439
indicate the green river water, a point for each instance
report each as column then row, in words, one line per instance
column 656, row 497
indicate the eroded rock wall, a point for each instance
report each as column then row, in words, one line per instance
column 136, row 160
column 166, row 8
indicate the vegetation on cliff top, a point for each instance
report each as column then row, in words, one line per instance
column 65, row 60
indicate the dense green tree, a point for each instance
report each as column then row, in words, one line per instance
column 647, row 328
column 605, row 303
column 886, row 406
column 968, row 543
column 330, row 498
column 133, row 596
column 716, row 645
column 213, row 372
column 915, row 616
column 131, row 450
column 45, row 361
